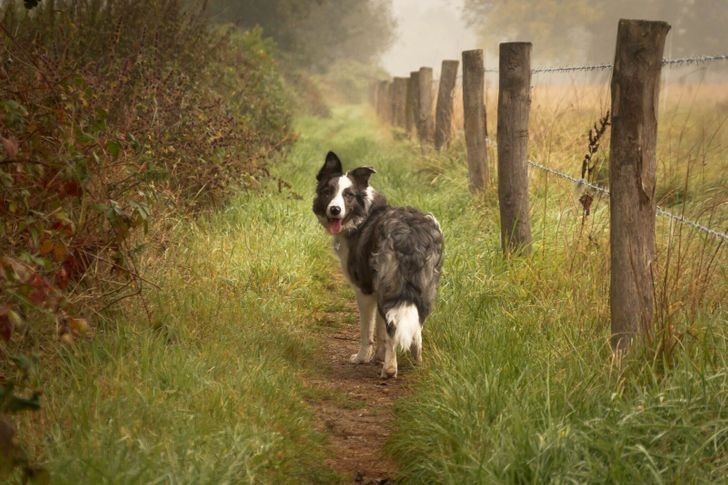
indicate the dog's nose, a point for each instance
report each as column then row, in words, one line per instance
column 334, row 210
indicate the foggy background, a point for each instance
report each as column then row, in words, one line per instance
column 562, row 31
column 427, row 31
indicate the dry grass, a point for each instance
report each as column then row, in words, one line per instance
column 692, row 161
column 521, row 388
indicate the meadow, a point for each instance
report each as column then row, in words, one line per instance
column 205, row 379
column 523, row 387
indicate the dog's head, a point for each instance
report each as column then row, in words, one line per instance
column 342, row 200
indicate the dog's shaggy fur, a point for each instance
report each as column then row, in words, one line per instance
column 392, row 256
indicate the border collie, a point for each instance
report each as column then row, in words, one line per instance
column 392, row 256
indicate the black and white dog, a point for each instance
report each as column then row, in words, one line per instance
column 392, row 256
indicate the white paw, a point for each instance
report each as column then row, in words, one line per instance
column 361, row 358
column 388, row 372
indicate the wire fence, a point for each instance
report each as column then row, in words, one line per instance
column 661, row 211
column 630, row 230
column 683, row 61
column 580, row 182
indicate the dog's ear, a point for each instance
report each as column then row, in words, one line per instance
column 361, row 175
column 331, row 168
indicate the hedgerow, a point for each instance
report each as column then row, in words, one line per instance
column 112, row 113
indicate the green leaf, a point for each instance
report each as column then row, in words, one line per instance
column 114, row 148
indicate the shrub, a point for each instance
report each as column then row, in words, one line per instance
column 112, row 113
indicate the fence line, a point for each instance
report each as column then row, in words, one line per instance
column 634, row 132
column 579, row 182
column 603, row 67
column 694, row 60
column 592, row 67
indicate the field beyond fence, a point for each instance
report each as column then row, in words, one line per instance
column 670, row 252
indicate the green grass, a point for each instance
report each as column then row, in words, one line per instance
column 518, row 385
column 211, row 389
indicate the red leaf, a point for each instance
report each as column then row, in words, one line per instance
column 70, row 188
column 62, row 278
column 39, row 294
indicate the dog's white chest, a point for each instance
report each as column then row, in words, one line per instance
column 342, row 251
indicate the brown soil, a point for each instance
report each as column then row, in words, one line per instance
column 356, row 410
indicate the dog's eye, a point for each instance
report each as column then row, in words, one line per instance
column 348, row 195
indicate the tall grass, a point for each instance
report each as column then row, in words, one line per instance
column 520, row 386
column 204, row 383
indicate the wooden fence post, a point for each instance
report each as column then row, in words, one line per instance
column 392, row 112
column 514, row 103
column 413, row 96
column 388, row 102
column 382, row 99
column 425, row 125
column 474, row 118
column 632, row 166
column 399, row 101
column 443, row 112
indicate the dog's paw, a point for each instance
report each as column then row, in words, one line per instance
column 388, row 372
column 360, row 358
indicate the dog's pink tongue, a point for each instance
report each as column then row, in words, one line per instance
column 334, row 226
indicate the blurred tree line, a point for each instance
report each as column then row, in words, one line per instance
column 579, row 30
column 314, row 34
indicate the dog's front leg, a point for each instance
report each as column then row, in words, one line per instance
column 367, row 313
column 390, row 358
column 381, row 339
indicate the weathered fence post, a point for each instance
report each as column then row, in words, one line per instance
column 425, row 125
column 514, row 103
column 399, row 101
column 392, row 111
column 388, row 102
column 382, row 99
column 443, row 112
column 474, row 118
column 632, row 167
column 413, row 96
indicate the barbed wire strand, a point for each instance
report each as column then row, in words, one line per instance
column 601, row 67
column 660, row 210
column 591, row 67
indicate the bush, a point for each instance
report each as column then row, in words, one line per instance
column 111, row 113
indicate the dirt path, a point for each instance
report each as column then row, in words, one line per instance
column 357, row 411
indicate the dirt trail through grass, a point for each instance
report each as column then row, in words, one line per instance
column 242, row 375
column 357, row 416
column 353, row 406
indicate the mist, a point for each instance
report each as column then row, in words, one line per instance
column 564, row 32
column 428, row 31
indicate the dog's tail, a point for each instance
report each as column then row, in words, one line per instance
column 403, row 324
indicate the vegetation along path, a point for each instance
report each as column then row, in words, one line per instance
column 242, row 375
column 242, row 372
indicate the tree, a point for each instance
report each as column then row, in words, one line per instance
column 316, row 33
column 580, row 30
